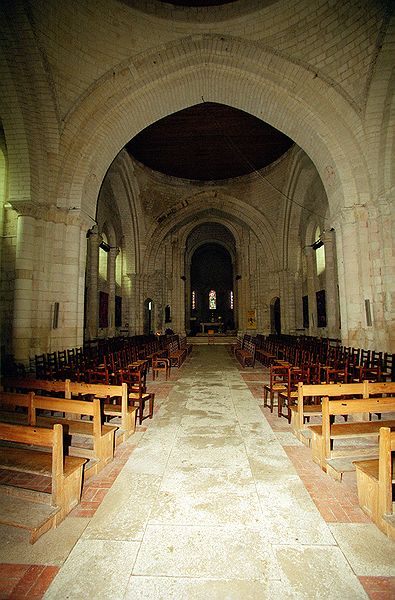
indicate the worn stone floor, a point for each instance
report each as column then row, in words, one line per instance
column 212, row 499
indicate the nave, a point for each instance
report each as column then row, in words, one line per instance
column 212, row 498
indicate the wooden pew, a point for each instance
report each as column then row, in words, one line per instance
column 123, row 412
column 336, row 462
column 22, row 451
column 302, row 411
column 88, row 438
column 246, row 353
column 14, row 384
column 100, row 436
column 375, row 480
column 10, row 402
column 119, row 411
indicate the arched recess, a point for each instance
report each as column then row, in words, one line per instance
column 148, row 311
column 275, row 316
column 219, row 207
column 219, row 69
column 211, row 234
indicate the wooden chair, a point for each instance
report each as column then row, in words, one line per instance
column 160, row 362
column 288, row 397
column 137, row 392
column 280, row 377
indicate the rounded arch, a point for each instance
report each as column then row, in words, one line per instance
column 124, row 186
column 237, row 217
column 218, row 69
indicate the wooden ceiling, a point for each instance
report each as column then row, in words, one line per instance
column 208, row 142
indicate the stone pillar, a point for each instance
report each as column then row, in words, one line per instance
column 310, row 261
column 354, row 268
column 332, row 296
column 23, row 290
column 112, row 255
column 71, row 310
column 92, row 299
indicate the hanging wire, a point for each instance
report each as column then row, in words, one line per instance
column 234, row 147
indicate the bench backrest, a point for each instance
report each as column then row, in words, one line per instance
column 42, row 437
column 381, row 387
column 14, row 399
column 74, row 407
column 17, row 383
column 356, row 406
column 100, row 391
column 95, row 389
column 349, row 407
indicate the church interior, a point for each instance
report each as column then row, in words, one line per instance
column 196, row 220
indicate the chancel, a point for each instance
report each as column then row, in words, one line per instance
column 196, row 216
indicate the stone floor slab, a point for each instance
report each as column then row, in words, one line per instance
column 98, row 569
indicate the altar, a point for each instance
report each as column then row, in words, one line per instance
column 216, row 325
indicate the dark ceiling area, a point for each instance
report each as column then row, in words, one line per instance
column 197, row 2
column 208, row 142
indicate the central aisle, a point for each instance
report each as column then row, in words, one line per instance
column 208, row 506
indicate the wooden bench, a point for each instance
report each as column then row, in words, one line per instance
column 302, row 411
column 86, row 438
column 10, row 402
column 375, row 481
column 123, row 415
column 15, row 384
column 336, row 462
column 246, row 353
column 119, row 410
column 24, row 450
column 100, row 437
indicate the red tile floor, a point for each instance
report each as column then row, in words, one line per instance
column 337, row 502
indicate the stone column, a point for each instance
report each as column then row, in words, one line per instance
column 112, row 255
column 310, row 261
column 23, row 289
column 332, row 297
column 92, row 299
column 354, row 268
column 71, row 322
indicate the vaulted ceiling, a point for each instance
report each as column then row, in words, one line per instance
column 208, row 142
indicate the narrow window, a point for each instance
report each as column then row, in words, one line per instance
column 319, row 252
column 193, row 300
column 231, row 300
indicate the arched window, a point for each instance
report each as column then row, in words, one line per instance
column 103, row 258
column 212, row 300
column 319, row 252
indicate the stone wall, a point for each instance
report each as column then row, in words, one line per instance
column 81, row 79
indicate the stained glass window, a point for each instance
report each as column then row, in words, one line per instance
column 212, row 300
column 231, row 300
column 193, row 300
